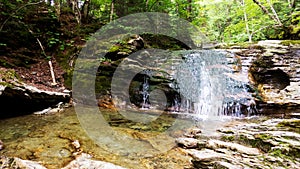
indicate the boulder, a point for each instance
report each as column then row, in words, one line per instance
column 18, row 98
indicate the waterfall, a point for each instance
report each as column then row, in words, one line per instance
column 208, row 84
column 145, row 93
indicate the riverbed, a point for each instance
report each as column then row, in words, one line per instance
column 49, row 140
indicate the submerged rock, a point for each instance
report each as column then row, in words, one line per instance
column 84, row 161
column 81, row 162
column 1, row 145
column 7, row 163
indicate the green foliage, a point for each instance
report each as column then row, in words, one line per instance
column 8, row 75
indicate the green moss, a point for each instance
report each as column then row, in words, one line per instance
column 126, row 50
column 103, row 84
column 228, row 138
column 114, row 48
column 6, row 84
column 241, row 45
column 68, row 78
column 290, row 42
column 293, row 125
column 7, row 75
column 263, row 136
column 163, row 42
column 258, row 142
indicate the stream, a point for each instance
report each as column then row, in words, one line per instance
column 54, row 140
column 48, row 140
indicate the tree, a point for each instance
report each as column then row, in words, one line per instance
column 273, row 16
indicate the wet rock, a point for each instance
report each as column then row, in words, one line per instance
column 214, row 144
column 258, row 144
column 84, row 161
column 28, row 164
column 187, row 142
column 226, row 165
column 275, row 44
column 8, row 163
column 206, row 155
column 1, row 145
column 19, row 98
column 273, row 67
column 193, row 133
column 206, row 158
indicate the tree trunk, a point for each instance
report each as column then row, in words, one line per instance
column 76, row 11
column 246, row 21
column 112, row 6
column 274, row 13
column 85, row 11
column 57, row 8
column 147, row 4
column 266, row 11
column 293, row 4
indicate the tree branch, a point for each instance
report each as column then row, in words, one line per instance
column 266, row 11
column 274, row 12
column 49, row 62
column 35, row 3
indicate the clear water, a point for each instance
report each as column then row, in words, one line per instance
column 48, row 140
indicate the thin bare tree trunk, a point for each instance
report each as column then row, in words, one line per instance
column 293, row 4
column 52, row 74
column 274, row 13
column 112, row 8
column 246, row 21
column 147, row 4
column 44, row 53
column 266, row 11
column 290, row 4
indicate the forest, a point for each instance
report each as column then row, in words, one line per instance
column 59, row 28
column 228, row 21
column 230, row 99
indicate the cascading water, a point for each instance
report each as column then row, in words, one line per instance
column 207, row 83
column 145, row 93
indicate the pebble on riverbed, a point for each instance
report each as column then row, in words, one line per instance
column 1, row 145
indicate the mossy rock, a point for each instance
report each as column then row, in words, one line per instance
column 291, row 125
column 290, row 42
column 241, row 45
column 163, row 42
